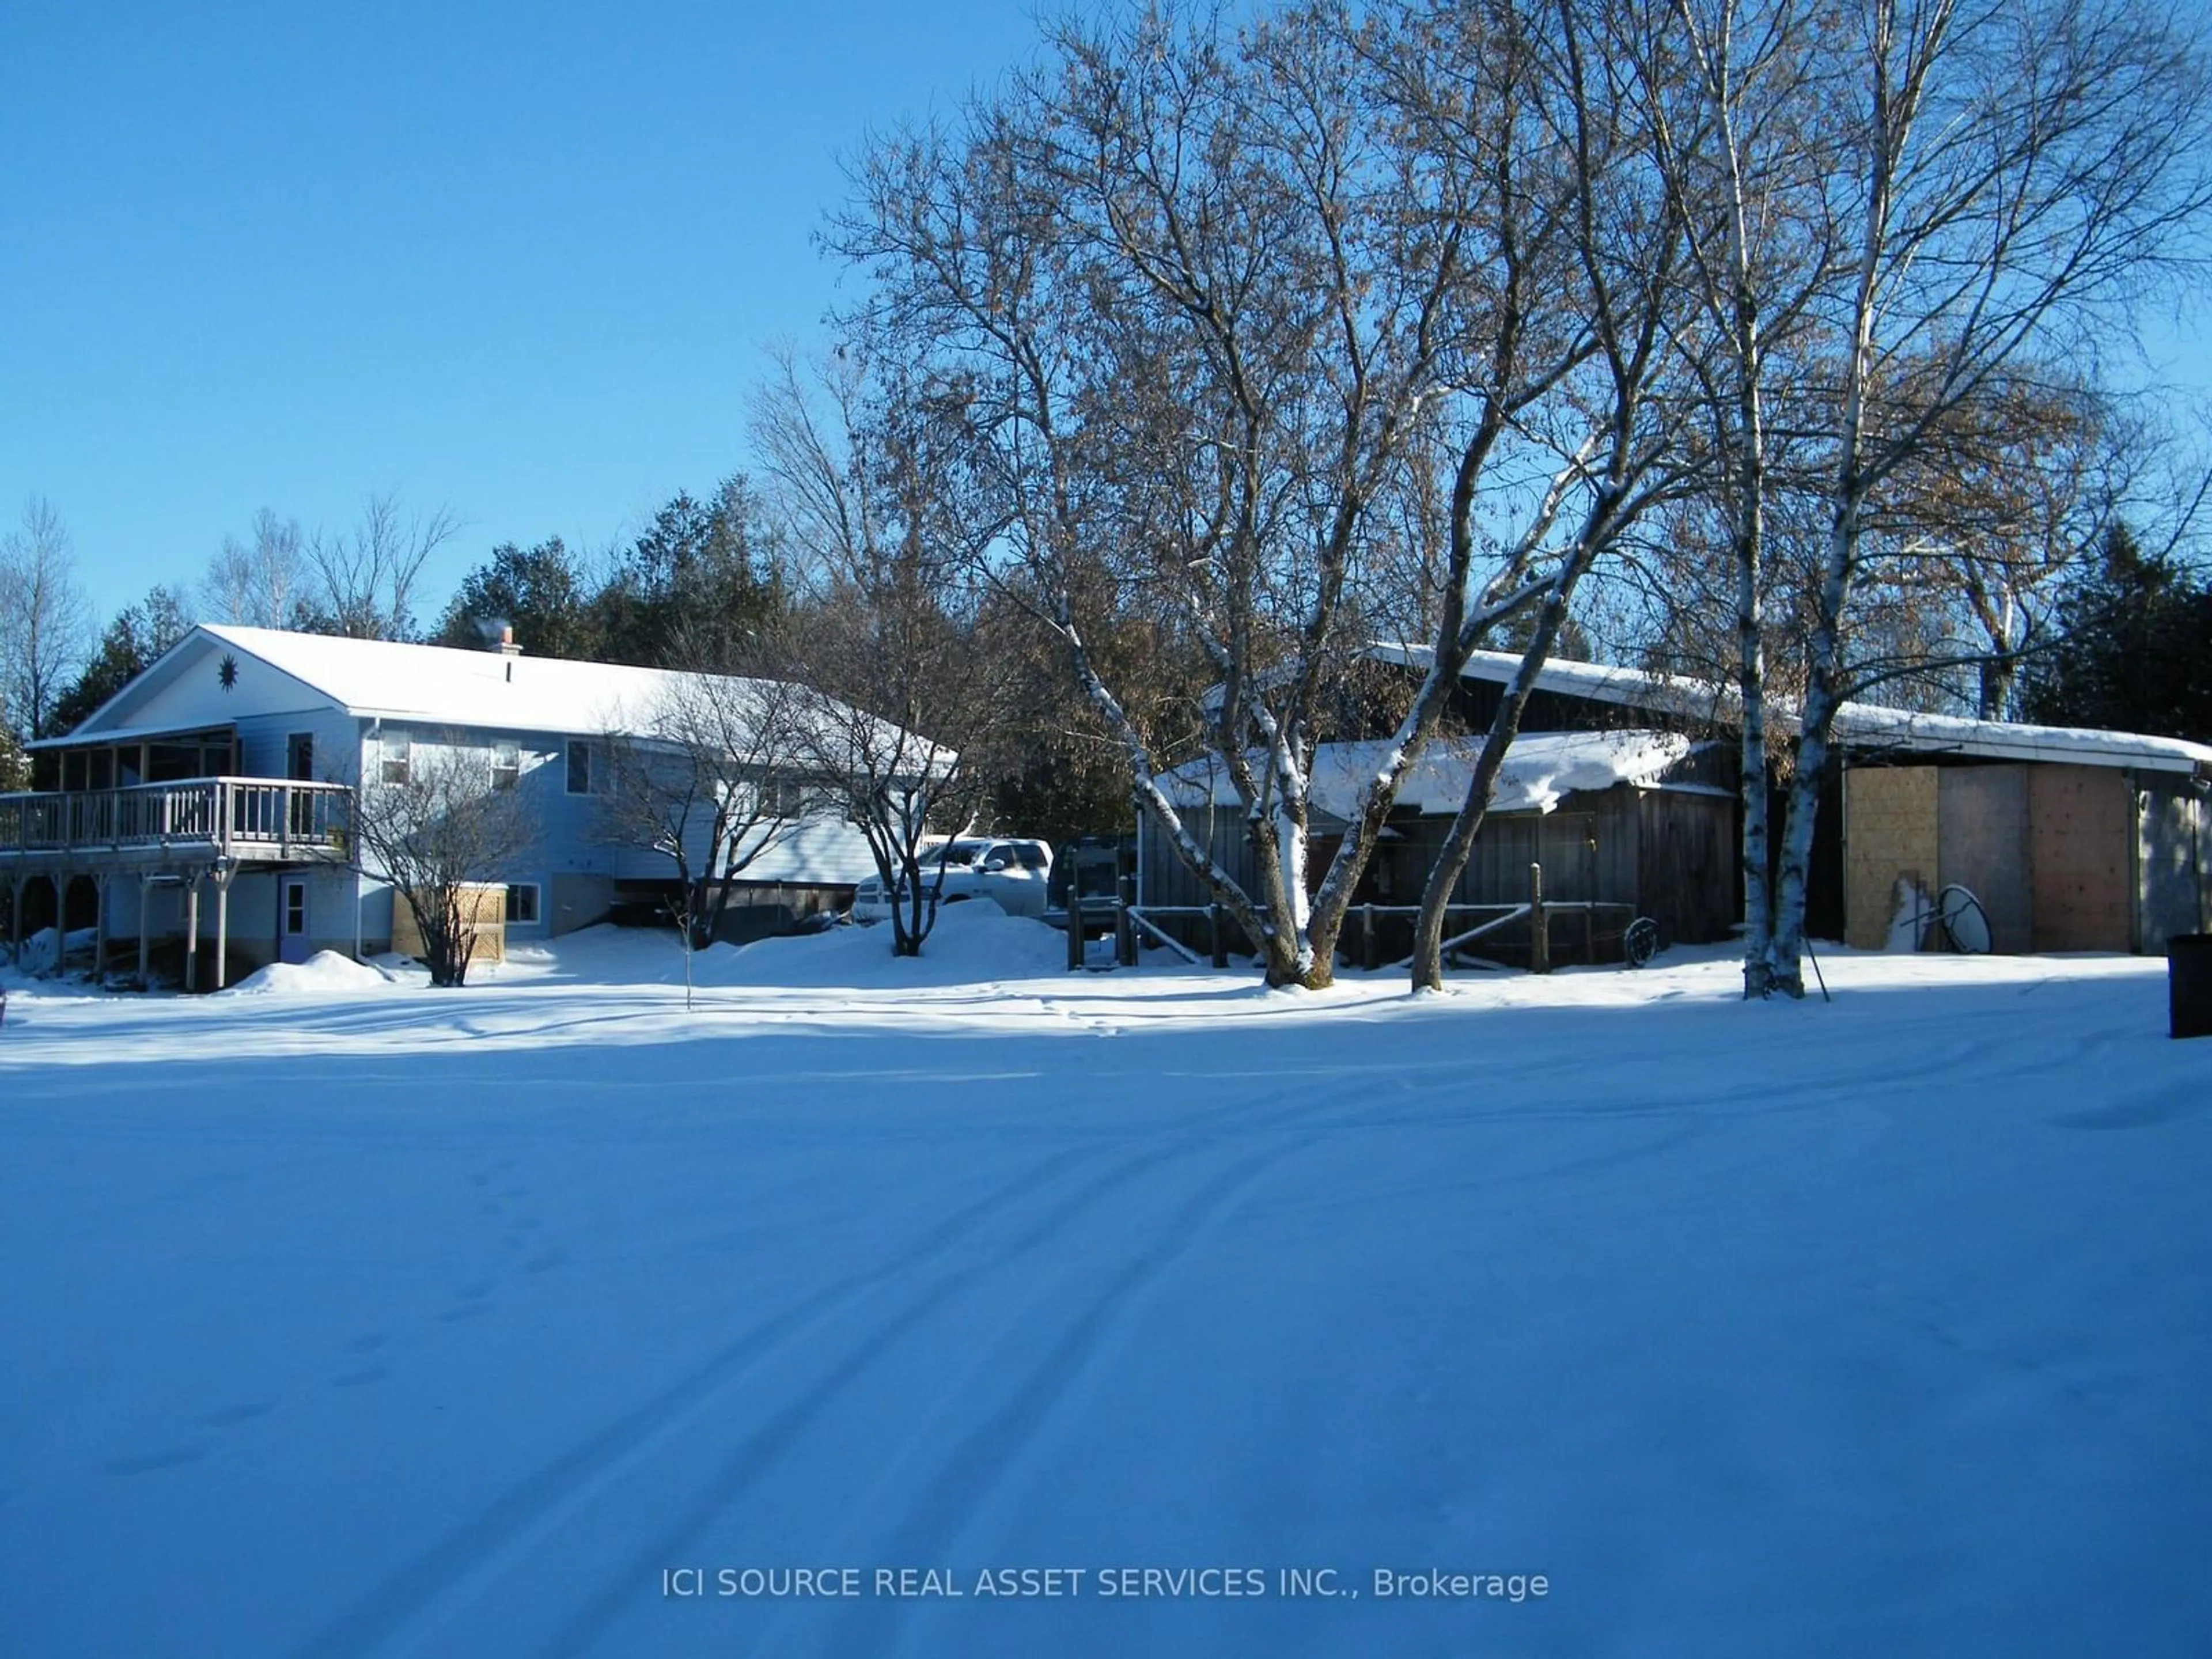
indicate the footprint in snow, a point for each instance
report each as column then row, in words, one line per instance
column 467, row 1310
column 544, row 1262
column 367, row 1342
column 361, row 1378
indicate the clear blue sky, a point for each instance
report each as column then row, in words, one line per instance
column 517, row 260
column 520, row 260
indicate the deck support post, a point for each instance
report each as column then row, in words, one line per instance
column 16, row 918
column 223, row 872
column 100, row 884
column 145, row 936
column 192, row 934
column 1540, row 933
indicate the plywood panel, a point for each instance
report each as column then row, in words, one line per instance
column 2082, row 828
column 1890, row 830
column 486, row 906
column 1983, row 845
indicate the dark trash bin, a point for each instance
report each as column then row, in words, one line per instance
column 2189, row 985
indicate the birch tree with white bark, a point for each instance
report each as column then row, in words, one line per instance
column 1211, row 304
column 2021, row 174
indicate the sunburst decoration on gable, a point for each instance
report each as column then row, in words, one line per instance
column 226, row 671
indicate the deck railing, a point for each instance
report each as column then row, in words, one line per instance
column 234, row 817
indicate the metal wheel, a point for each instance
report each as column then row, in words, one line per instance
column 1640, row 943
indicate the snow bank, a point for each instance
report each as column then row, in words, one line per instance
column 973, row 942
column 325, row 971
column 42, row 950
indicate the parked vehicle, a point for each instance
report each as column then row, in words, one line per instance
column 1009, row 870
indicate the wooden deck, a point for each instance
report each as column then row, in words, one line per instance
column 244, row 820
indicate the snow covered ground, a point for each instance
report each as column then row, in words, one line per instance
column 342, row 1317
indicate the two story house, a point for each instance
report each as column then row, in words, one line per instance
column 204, row 808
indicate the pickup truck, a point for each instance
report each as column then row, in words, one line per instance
column 1011, row 871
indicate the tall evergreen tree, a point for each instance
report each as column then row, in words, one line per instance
column 694, row 589
column 138, row 635
column 15, row 765
column 538, row 592
column 2134, row 652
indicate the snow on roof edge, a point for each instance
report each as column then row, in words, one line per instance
column 1857, row 723
column 1540, row 768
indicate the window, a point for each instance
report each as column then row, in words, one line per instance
column 395, row 751
column 521, row 902
column 580, row 768
column 505, row 765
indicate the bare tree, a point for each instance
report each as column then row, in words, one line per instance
column 45, row 621
column 438, row 826
column 261, row 581
column 1169, row 288
column 368, row 575
column 893, row 695
column 2022, row 172
column 1730, row 93
column 711, row 780
column 1616, row 409
column 1223, row 315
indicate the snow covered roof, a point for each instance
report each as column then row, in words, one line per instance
column 1859, row 724
column 435, row 685
column 422, row 685
column 1540, row 769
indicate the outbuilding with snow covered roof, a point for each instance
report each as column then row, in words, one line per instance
column 2070, row 839
column 1624, row 822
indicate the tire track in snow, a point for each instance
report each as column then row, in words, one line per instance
column 772, row 1441
column 762, row 1450
column 435, row 1573
column 969, row 1478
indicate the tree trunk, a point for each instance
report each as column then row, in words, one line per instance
column 1823, row 696
column 1429, row 927
column 1751, row 656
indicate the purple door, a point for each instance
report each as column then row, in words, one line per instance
column 292, row 942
